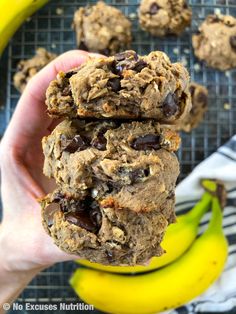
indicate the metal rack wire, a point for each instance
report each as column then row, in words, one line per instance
column 51, row 28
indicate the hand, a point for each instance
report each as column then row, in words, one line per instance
column 24, row 245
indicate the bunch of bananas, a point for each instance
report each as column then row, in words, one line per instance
column 12, row 14
column 188, row 268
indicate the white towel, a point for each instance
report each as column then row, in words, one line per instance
column 221, row 296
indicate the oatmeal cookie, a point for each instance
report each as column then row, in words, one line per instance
column 124, row 86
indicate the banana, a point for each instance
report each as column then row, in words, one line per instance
column 184, row 232
column 12, row 14
column 163, row 289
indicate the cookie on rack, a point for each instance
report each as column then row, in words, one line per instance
column 162, row 17
column 216, row 42
column 102, row 28
column 115, row 193
column 28, row 68
column 125, row 86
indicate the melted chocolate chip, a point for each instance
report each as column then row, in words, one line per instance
column 114, row 83
column 76, row 144
column 202, row 98
column 232, row 41
column 126, row 55
column 154, row 8
column 146, row 172
column 81, row 220
column 99, row 141
column 125, row 61
column 146, row 142
column 70, row 73
column 141, row 64
column 185, row 5
column 170, row 106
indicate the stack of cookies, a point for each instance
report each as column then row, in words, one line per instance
column 113, row 156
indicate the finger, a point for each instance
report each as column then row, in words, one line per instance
column 30, row 119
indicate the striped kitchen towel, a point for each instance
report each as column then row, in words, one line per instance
column 220, row 297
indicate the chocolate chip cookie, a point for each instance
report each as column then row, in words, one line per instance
column 115, row 193
column 216, row 42
column 199, row 95
column 119, row 163
column 28, row 68
column 102, row 28
column 123, row 86
column 103, row 234
column 161, row 17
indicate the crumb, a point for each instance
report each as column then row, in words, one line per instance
column 59, row 11
column 197, row 67
column 186, row 50
column 53, row 45
column 184, row 61
column 227, row 73
column 227, row 106
column 176, row 50
column 133, row 15
column 217, row 11
column 28, row 19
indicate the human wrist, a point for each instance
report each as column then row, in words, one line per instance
column 12, row 257
column 13, row 278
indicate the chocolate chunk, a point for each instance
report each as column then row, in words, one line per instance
column 125, row 61
column 141, row 64
column 99, row 141
column 76, row 144
column 70, row 73
column 146, row 142
column 202, row 98
column 146, row 172
column 82, row 46
column 105, row 51
column 81, row 220
column 170, row 106
column 58, row 197
column 114, row 83
column 137, row 174
column 185, row 5
column 232, row 41
column 154, row 8
column 129, row 54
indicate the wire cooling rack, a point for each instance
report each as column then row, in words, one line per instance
column 51, row 28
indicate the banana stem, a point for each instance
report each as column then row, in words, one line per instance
column 200, row 208
column 216, row 221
